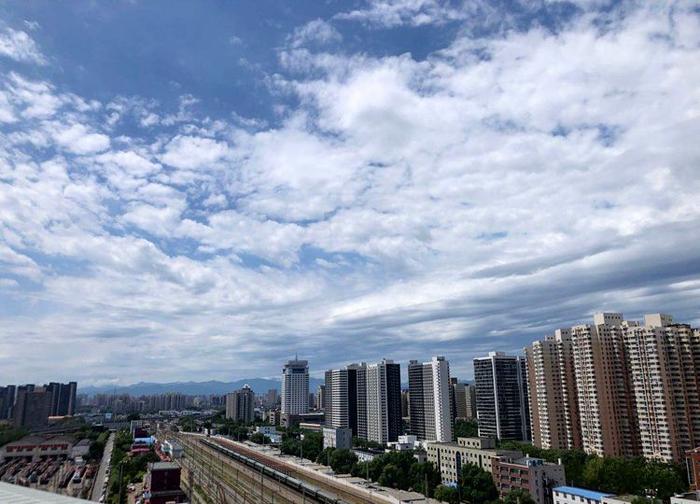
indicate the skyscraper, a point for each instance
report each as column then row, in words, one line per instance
column 501, row 397
column 383, row 385
column 341, row 398
column 32, row 408
column 63, row 398
column 430, row 399
column 604, row 388
column 465, row 400
column 664, row 362
column 321, row 398
column 295, row 387
column 552, row 395
column 240, row 405
column 7, row 401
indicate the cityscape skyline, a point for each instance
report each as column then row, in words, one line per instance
column 390, row 178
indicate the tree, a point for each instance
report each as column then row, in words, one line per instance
column 422, row 473
column 446, row 494
column 390, row 476
column 663, row 480
column 343, row 460
column 466, row 428
column 477, row 485
column 518, row 496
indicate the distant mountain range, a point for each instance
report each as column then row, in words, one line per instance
column 259, row 386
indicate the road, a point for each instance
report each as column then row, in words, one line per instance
column 102, row 471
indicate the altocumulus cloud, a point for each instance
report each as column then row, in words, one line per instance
column 503, row 186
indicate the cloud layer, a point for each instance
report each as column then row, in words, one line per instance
column 472, row 200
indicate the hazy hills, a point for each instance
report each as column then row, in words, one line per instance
column 259, row 386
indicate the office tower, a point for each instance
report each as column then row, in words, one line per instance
column 604, row 388
column 501, row 396
column 340, row 406
column 32, row 407
column 430, row 408
column 295, row 387
column 321, row 398
column 240, row 405
column 7, row 401
column 664, row 362
column 552, row 392
column 383, row 385
column 470, row 401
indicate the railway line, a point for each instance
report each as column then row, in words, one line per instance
column 213, row 477
column 341, row 491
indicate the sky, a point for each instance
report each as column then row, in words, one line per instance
column 195, row 191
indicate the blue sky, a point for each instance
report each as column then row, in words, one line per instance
column 198, row 191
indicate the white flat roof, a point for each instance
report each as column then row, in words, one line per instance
column 13, row 494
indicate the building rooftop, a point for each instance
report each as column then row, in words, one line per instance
column 13, row 494
column 160, row 466
column 582, row 492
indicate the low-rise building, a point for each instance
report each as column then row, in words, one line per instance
column 450, row 457
column 163, row 484
column 534, row 475
column 575, row 495
column 37, row 447
column 337, row 438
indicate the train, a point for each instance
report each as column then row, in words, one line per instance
column 309, row 491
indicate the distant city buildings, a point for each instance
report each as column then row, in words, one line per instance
column 240, row 405
column 501, row 397
column 295, row 387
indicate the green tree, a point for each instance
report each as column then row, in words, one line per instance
column 446, row 494
column 663, row 480
column 477, row 485
column 466, row 428
column 518, row 496
column 343, row 460
column 391, row 476
column 422, row 473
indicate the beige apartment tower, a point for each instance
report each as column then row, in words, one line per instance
column 664, row 360
column 552, row 392
column 604, row 387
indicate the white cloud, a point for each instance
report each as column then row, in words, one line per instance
column 19, row 46
column 391, row 13
column 78, row 139
column 317, row 31
column 193, row 152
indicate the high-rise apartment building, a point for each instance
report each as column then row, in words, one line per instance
column 430, row 399
column 607, row 409
column 664, row 362
column 383, row 386
column 341, row 403
column 240, row 405
column 465, row 400
column 321, row 398
column 554, row 418
column 295, row 387
column 7, row 401
column 63, row 398
column 501, row 397
column 32, row 407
